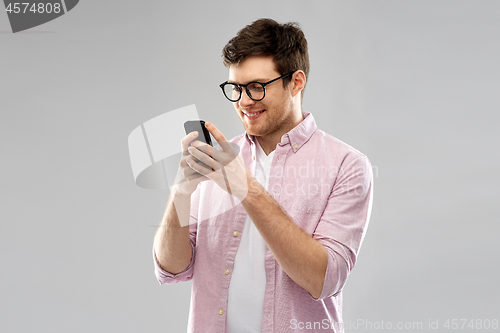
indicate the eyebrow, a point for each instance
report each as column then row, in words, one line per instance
column 261, row 80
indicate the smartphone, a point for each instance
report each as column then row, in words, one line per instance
column 199, row 126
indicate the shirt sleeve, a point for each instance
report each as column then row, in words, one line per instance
column 164, row 276
column 343, row 224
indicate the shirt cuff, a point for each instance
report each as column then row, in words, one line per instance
column 164, row 276
column 336, row 274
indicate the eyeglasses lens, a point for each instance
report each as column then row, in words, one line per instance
column 232, row 92
column 255, row 91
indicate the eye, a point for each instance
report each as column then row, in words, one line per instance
column 255, row 87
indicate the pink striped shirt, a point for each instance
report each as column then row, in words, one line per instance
column 325, row 186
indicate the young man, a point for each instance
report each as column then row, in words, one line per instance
column 272, row 255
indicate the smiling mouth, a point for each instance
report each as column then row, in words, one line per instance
column 252, row 114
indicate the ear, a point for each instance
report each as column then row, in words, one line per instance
column 298, row 82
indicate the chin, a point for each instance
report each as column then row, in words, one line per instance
column 251, row 130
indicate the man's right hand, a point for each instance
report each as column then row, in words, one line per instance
column 187, row 179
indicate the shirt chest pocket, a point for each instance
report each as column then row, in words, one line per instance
column 304, row 200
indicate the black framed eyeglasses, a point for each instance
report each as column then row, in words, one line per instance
column 255, row 90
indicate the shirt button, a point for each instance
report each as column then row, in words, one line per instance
column 226, row 271
column 221, row 312
column 295, row 146
column 253, row 157
column 235, row 234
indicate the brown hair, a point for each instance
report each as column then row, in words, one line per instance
column 266, row 37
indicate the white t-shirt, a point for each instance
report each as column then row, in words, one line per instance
column 248, row 281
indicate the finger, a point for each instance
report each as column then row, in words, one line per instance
column 206, row 149
column 190, row 160
column 221, row 139
column 185, row 166
column 200, row 167
column 204, row 158
column 186, row 141
column 215, row 132
column 191, row 174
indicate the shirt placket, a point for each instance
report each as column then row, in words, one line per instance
column 274, row 189
column 235, row 235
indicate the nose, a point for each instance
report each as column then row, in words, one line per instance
column 245, row 100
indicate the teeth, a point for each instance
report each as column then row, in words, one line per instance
column 252, row 114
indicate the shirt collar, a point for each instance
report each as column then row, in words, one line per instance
column 298, row 135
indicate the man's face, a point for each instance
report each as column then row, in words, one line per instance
column 274, row 113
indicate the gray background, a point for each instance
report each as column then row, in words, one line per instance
column 412, row 84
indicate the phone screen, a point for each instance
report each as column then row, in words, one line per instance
column 199, row 126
